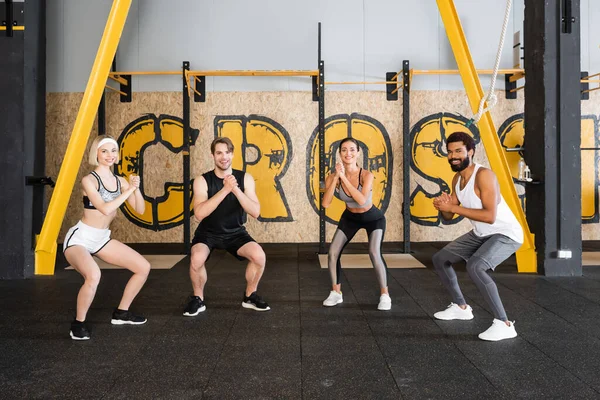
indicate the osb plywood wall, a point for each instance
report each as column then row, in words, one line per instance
column 278, row 132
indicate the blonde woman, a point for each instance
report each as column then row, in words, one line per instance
column 103, row 194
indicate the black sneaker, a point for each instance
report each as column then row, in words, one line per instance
column 79, row 331
column 126, row 317
column 194, row 307
column 255, row 302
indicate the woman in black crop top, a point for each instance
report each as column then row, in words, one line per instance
column 103, row 194
column 354, row 186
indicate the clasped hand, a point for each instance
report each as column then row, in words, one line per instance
column 339, row 170
column 230, row 183
column 443, row 202
column 134, row 181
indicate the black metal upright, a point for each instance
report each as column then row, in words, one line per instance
column 406, row 154
column 186, row 160
column 9, row 17
column 321, row 80
column 102, row 105
column 553, row 133
column 22, row 123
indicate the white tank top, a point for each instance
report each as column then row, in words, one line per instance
column 506, row 223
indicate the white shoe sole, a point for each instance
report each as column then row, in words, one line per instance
column 497, row 339
column 78, row 338
column 121, row 322
column 443, row 318
column 201, row 309
column 253, row 307
column 385, row 307
column 333, row 305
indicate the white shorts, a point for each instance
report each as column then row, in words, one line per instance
column 93, row 239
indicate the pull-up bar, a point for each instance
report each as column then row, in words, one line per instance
column 456, row 72
column 281, row 72
column 122, row 76
column 517, row 73
column 364, row 83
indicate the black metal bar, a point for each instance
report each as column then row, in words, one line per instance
column 127, row 89
column 553, row 118
column 39, row 181
column 200, row 86
column 9, row 17
column 567, row 16
column 390, row 87
column 509, row 87
column 186, row 161
column 321, row 91
column 585, row 95
column 102, row 115
column 102, row 105
column 406, row 156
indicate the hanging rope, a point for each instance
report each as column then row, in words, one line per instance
column 491, row 98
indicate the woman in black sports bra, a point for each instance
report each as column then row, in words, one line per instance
column 103, row 194
column 354, row 186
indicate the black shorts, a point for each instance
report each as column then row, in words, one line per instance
column 231, row 242
column 370, row 220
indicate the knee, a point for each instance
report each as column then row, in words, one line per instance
column 373, row 253
column 476, row 265
column 259, row 258
column 144, row 268
column 439, row 259
column 332, row 257
column 93, row 279
column 197, row 262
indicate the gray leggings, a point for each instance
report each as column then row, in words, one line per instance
column 373, row 222
column 481, row 254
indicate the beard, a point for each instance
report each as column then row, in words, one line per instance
column 459, row 167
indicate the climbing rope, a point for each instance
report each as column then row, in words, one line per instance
column 491, row 98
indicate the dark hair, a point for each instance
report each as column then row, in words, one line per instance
column 349, row 139
column 224, row 140
column 463, row 137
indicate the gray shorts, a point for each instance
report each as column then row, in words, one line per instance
column 491, row 249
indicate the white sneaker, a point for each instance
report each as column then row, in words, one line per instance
column 499, row 331
column 453, row 311
column 385, row 302
column 334, row 299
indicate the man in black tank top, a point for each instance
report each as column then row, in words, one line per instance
column 222, row 199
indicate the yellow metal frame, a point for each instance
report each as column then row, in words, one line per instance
column 526, row 256
column 45, row 251
column 15, row 28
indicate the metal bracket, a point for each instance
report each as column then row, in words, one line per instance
column 315, row 88
column 126, row 88
column 39, row 181
column 567, row 16
column 7, row 17
column 200, row 86
column 585, row 87
column 509, row 87
column 390, row 87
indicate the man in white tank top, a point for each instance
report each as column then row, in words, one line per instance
column 496, row 235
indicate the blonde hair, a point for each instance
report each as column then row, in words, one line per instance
column 93, row 155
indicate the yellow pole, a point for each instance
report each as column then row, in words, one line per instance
column 45, row 251
column 526, row 257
